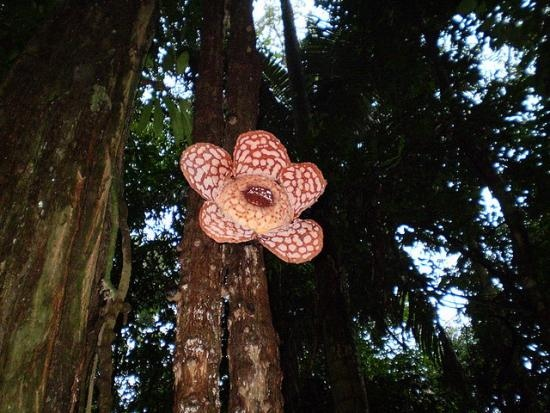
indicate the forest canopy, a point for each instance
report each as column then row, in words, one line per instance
column 429, row 120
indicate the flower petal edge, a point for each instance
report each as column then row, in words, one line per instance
column 259, row 153
column 205, row 167
column 296, row 243
column 220, row 228
column 304, row 184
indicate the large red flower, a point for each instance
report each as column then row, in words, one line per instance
column 257, row 195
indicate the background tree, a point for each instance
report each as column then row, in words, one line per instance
column 373, row 88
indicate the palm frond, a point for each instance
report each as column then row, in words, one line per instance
column 276, row 76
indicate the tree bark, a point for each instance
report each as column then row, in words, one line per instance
column 302, row 108
column 348, row 388
column 255, row 377
column 253, row 351
column 347, row 384
column 198, row 336
column 289, row 353
column 64, row 108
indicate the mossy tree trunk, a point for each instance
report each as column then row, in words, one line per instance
column 64, row 110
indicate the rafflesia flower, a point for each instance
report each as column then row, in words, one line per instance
column 257, row 195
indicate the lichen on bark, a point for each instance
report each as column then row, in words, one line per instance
column 58, row 159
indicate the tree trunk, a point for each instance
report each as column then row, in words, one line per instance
column 346, row 381
column 255, row 377
column 347, row 385
column 114, row 305
column 289, row 354
column 253, row 350
column 302, row 108
column 64, row 108
column 198, row 336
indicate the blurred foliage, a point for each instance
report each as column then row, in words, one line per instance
column 155, row 194
column 404, row 381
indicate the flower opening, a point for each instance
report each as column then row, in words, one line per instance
column 258, row 196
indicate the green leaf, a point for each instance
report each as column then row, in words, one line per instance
column 187, row 119
column 158, row 120
column 466, row 6
column 481, row 8
column 172, row 108
column 149, row 61
column 176, row 122
column 182, row 62
column 168, row 61
column 144, row 118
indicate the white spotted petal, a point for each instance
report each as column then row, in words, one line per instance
column 298, row 242
column 206, row 167
column 220, row 228
column 304, row 184
column 259, row 153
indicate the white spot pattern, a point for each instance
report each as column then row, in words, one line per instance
column 304, row 183
column 259, row 153
column 260, row 160
column 203, row 174
column 289, row 243
column 220, row 228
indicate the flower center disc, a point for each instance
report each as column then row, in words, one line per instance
column 258, row 196
column 255, row 202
